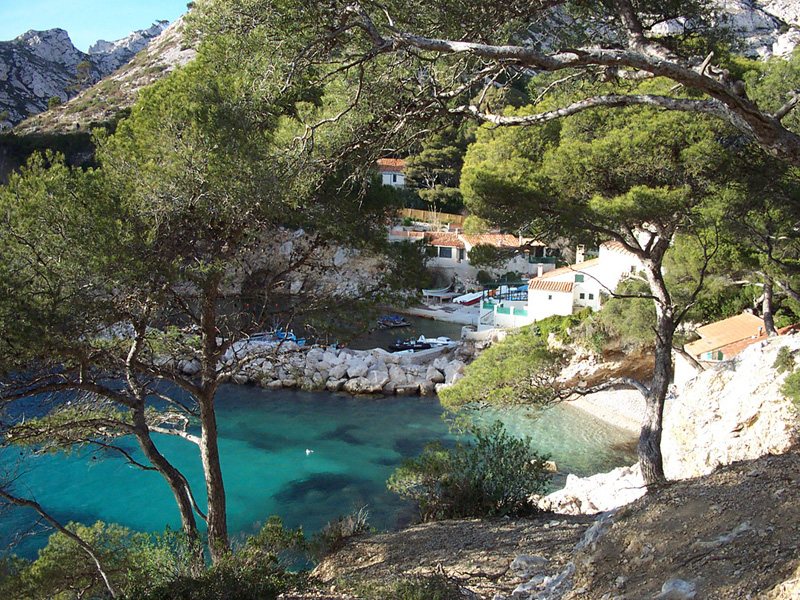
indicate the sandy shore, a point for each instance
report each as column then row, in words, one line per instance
column 622, row 408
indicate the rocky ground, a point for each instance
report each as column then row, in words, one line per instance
column 733, row 534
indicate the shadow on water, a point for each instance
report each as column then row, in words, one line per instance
column 342, row 434
column 321, row 486
column 625, row 448
column 408, row 448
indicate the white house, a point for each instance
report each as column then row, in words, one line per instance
column 452, row 249
column 391, row 170
column 561, row 291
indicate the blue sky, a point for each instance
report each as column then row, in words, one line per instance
column 86, row 20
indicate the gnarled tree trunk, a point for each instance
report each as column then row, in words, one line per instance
column 649, row 447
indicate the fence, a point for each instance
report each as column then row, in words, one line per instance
column 428, row 215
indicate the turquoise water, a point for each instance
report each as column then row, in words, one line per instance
column 356, row 443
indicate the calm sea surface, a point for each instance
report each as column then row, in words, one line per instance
column 307, row 457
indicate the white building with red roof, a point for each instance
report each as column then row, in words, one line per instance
column 562, row 291
column 391, row 170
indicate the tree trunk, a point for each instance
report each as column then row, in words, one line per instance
column 649, row 447
column 766, row 307
column 177, row 483
column 216, row 519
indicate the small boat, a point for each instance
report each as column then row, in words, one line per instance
column 409, row 344
column 272, row 337
column 437, row 341
column 468, row 299
column 289, row 336
column 389, row 322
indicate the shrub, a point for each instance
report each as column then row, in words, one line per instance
column 494, row 476
column 483, row 277
column 333, row 536
column 520, row 369
column 256, row 569
column 430, row 587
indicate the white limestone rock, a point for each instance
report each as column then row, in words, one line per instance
column 453, row 370
column 734, row 411
column 378, row 378
column 596, row 494
column 357, row 368
column 397, row 375
column 435, row 375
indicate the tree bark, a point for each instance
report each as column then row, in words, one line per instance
column 216, row 518
column 766, row 307
column 177, row 483
column 649, row 446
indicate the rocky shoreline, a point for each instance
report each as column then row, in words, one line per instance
column 289, row 365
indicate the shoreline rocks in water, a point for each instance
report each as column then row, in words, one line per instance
column 288, row 365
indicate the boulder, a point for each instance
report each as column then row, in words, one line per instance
column 411, row 389
column 359, row 385
column 315, row 354
column 435, row 375
column 357, row 368
column 452, row 370
column 335, row 385
column 427, row 388
column 397, row 375
column 378, row 378
column 338, row 372
column 190, row 367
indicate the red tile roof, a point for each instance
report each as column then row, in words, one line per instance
column 618, row 248
column 714, row 336
column 390, row 165
column 446, row 239
column 500, row 240
column 550, row 286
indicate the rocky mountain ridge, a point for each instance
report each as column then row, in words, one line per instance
column 763, row 28
column 39, row 65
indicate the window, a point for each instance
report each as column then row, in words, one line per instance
column 578, row 278
column 550, row 297
column 394, row 178
column 582, row 296
column 591, row 296
column 445, row 252
column 462, row 254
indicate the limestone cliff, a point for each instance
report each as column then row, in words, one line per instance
column 734, row 411
column 39, row 65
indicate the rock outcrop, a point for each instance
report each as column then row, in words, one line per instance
column 732, row 412
column 40, row 65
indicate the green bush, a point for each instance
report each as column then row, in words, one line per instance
column 333, row 536
column 493, row 476
column 519, row 369
column 430, row 587
column 256, row 570
column 483, row 277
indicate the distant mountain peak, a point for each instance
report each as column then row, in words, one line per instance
column 39, row 65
